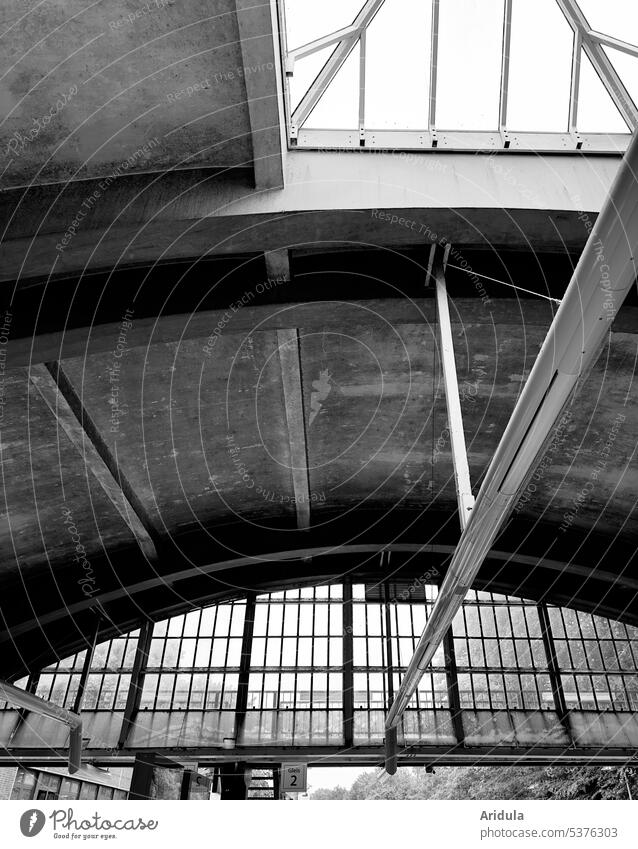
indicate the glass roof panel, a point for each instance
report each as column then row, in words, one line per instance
column 398, row 66
column 618, row 18
column 305, row 73
column 597, row 112
column 469, row 64
column 627, row 68
column 540, row 67
column 338, row 109
column 306, row 21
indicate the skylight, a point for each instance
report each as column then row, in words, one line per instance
column 472, row 74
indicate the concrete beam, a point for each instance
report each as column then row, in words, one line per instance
column 82, row 433
column 328, row 199
column 259, row 42
column 278, row 265
column 602, row 576
column 290, row 358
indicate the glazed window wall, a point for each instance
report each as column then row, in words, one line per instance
column 107, row 684
column 500, row 655
column 295, row 683
column 283, row 668
column 598, row 659
column 193, row 662
column 31, row 784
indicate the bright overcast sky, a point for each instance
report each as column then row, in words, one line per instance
column 470, row 36
column 331, row 777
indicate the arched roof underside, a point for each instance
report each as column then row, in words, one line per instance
column 183, row 420
column 138, row 478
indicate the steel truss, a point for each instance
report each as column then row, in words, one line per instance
column 346, row 39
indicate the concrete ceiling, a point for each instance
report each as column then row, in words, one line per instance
column 118, row 88
column 201, row 436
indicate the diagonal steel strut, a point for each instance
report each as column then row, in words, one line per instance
column 33, row 703
column 570, row 348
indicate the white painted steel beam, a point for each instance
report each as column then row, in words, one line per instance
column 574, row 89
column 33, row 703
column 434, row 62
column 616, row 43
column 505, row 66
column 334, row 63
column 573, row 342
column 464, row 496
column 602, row 65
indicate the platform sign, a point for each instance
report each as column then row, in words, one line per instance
column 294, row 778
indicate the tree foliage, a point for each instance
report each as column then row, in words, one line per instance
column 508, row 783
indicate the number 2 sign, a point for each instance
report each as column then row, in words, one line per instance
column 294, row 778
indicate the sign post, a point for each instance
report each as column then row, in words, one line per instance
column 294, row 778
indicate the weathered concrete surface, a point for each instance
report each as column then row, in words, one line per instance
column 122, row 86
column 198, row 428
column 328, row 199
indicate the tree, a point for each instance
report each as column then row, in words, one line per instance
column 508, row 783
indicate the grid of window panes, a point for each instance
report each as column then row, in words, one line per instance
column 500, row 655
column 598, row 659
column 295, row 680
column 193, row 661
column 32, row 784
column 386, row 625
column 295, row 685
column 108, row 681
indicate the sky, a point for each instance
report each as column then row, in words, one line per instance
column 330, row 777
column 469, row 64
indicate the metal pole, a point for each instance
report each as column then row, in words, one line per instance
column 505, row 68
column 86, row 668
column 434, row 57
column 452, row 678
column 464, row 495
column 575, row 83
column 244, row 667
column 348, row 665
column 137, row 681
column 553, row 670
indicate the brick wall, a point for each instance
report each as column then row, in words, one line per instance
column 7, row 777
